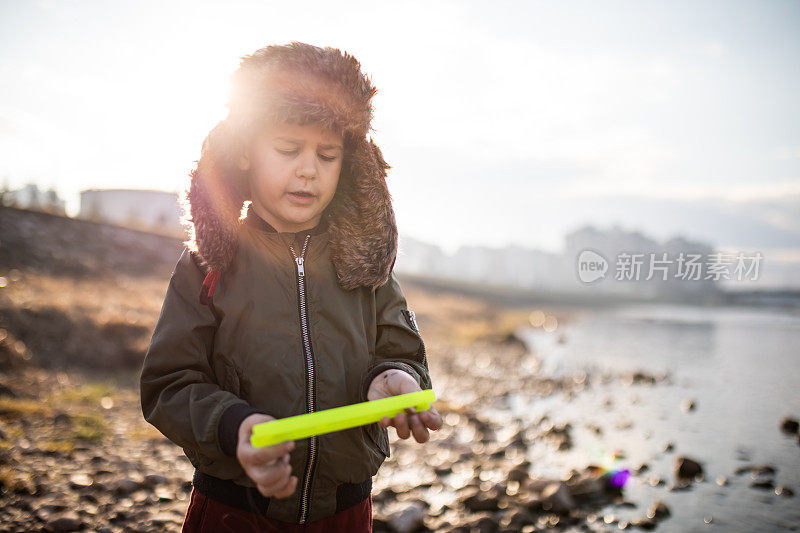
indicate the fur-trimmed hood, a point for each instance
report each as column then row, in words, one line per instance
column 304, row 83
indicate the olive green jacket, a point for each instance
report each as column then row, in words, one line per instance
column 245, row 353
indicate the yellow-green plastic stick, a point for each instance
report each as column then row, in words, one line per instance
column 338, row 418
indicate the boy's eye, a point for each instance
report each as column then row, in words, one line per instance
column 294, row 152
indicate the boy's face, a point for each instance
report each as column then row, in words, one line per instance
column 285, row 159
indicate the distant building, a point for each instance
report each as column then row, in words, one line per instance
column 31, row 197
column 663, row 268
column 143, row 209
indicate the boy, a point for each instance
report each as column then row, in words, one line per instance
column 292, row 309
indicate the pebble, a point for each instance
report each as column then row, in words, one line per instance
column 556, row 497
column 687, row 468
column 65, row 522
column 790, row 425
column 407, row 520
column 658, row 510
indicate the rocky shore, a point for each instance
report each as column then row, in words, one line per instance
column 76, row 454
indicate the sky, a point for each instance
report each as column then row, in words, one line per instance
column 504, row 122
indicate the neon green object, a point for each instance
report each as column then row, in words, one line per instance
column 338, row 418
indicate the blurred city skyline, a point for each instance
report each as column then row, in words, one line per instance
column 504, row 123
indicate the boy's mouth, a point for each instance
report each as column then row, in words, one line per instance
column 302, row 197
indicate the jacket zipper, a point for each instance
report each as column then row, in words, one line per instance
column 310, row 388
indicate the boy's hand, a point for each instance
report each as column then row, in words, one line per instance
column 393, row 382
column 267, row 466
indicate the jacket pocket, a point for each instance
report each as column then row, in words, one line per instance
column 378, row 437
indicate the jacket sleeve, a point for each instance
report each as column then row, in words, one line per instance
column 398, row 342
column 179, row 393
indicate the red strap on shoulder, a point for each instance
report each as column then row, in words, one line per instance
column 209, row 284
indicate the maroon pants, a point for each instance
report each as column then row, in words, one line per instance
column 206, row 515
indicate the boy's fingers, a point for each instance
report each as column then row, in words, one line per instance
column 401, row 426
column 274, row 476
column 431, row 418
column 269, row 454
column 418, row 428
column 288, row 489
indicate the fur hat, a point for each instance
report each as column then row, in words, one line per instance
column 300, row 83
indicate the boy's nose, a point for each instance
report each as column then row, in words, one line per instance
column 306, row 167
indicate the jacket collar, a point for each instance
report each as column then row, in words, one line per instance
column 255, row 221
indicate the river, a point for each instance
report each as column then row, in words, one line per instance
column 739, row 367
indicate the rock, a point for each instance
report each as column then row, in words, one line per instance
column 512, row 339
column 407, row 520
column 152, row 480
column 668, row 447
column 587, row 484
column 519, row 472
column 557, row 498
column 644, row 523
column 560, row 436
column 687, row 405
column 784, row 491
column 658, row 510
column 790, row 425
column 539, row 484
column 484, row 524
column 162, row 519
column 123, row 487
column 62, row 419
column 762, row 483
column 594, row 427
column 477, row 500
column 686, row 468
column 519, row 440
column 680, row 484
column 7, row 391
column 517, row 518
column 530, row 501
column 65, row 522
column 99, row 487
column 80, row 481
column 639, row 377
column 756, row 470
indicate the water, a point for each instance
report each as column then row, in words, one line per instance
column 741, row 368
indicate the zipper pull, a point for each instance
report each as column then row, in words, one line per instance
column 301, row 271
